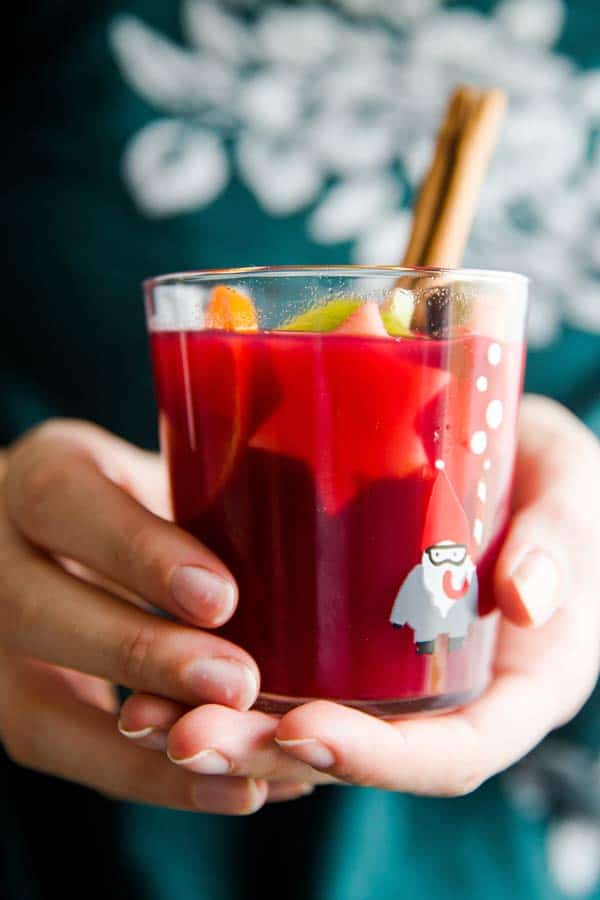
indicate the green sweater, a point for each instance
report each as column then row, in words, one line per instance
column 154, row 136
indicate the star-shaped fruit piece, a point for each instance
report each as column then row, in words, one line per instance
column 348, row 405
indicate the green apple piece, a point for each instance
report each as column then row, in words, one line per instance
column 397, row 312
column 323, row 318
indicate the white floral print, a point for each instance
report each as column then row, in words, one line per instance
column 331, row 109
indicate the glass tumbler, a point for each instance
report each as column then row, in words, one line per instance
column 343, row 438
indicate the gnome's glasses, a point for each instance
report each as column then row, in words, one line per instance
column 455, row 554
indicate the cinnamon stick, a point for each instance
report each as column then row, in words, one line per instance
column 447, row 201
column 435, row 184
column 477, row 138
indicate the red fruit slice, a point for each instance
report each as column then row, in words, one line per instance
column 366, row 321
column 350, row 415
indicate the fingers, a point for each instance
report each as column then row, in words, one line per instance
column 279, row 792
column 447, row 755
column 541, row 678
column 147, row 720
column 53, row 616
column 64, row 737
column 214, row 740
column 557, row 493
column 61, row 498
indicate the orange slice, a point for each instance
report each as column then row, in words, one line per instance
column 228, row 310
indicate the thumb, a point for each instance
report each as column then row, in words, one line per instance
column 531, row 575
column 556, row 498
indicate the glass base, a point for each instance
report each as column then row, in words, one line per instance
column 278, row 704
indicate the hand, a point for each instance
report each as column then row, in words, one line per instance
column 82, row 542
column 547, row 580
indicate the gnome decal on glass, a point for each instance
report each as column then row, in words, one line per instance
column 439, row 595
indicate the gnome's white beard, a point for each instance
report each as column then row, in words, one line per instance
column 433, row 576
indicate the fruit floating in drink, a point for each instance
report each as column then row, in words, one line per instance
column 352, row 468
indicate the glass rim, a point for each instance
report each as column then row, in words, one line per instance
column 331, row 271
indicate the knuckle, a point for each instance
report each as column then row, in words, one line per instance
column 52, row 433
column 50, row 430
column 141, row 554
column 561, row 430
column 135, row 654
column 36, row 474
column 41, row 481
column 558, row 419
column 546, row 408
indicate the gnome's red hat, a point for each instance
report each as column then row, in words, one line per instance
column 445, row 520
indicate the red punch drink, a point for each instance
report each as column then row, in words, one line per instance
column 352, row 466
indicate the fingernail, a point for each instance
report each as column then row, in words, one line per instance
column 207, row 762
column 310, row 751
column 254, row 796
column 306, row 789
column 280, row 792
column 203, row 594
column 223, row 681
column 218, row 795
column 536, row 579
column 150, row 738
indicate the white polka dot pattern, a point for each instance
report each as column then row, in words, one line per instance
column 494, row 354
column 494, row 413
column 478, row 442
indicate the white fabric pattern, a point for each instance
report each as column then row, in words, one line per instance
column 331, row 110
